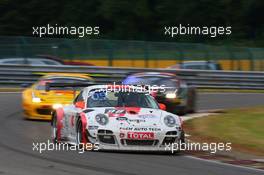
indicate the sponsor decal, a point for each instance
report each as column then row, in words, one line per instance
column 93, row 127
column 121, row 119
column 147, row 116
column 140, row 129
column 101, row 95
column 126, row 128
column 154, row 129
column 136, row 120
column 140, row 135
column 115, row 112
column 122, row 135
column 121, row 111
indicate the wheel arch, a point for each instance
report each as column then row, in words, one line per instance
column 81, row 117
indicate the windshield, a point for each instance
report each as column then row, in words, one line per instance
column 169, row 82
column 120, row 99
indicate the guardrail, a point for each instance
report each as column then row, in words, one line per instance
column 15, row 75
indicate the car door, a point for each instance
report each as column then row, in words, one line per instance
column 72, row 115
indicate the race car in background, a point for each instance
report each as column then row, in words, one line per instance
column 30, row 61
column 42, row 60
column 38, row 104
column 178, row 97
column 116, row 119
column 197, row 65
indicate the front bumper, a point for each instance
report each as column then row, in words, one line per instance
column 113, row 141
column 38, row 111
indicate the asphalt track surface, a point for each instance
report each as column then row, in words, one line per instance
column 18, row 158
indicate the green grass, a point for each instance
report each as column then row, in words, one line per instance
column 244, row 128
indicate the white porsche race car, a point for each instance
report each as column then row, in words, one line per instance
column 116, row 119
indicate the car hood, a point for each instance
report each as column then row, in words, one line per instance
column 122, row 117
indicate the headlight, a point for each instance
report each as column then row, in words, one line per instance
column 169, row 121
column 36, row 100
column 101, row 119
column 171, row 95
column 56, row 106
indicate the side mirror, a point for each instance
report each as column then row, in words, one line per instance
column 80, row 104
column 162, row 106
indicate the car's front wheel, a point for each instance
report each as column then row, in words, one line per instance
column 81, row 136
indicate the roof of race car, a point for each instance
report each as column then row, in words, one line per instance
column 150, row 74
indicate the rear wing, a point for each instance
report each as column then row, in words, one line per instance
column 74, row 86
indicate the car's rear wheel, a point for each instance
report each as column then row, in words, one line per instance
column 54, row 129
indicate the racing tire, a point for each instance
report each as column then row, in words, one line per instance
column 54, row 130
column 79, row 136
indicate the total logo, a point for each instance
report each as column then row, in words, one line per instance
column 140, row 135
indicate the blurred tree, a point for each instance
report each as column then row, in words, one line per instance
column 138, row 20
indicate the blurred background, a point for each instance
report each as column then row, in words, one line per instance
column 132, row 33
